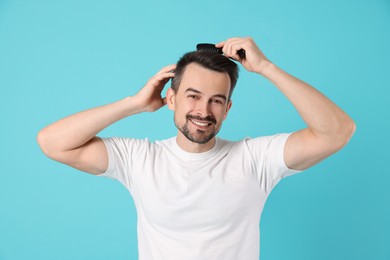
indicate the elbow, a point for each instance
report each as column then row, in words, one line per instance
column 49, row 148
column 43, row 143
column 350, row 129
column 345, row 133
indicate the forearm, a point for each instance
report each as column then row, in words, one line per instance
column 74, row 131
column 322, row 116
column 328, row 127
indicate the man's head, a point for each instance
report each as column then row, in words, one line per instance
column 200, row 95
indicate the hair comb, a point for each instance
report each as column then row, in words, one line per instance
column 211, row 48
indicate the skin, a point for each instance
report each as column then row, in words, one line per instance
column 202, row 94
column 73, row 140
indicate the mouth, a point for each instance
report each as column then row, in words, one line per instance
column 200, row 123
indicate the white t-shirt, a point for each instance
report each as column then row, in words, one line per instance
column 193, row 206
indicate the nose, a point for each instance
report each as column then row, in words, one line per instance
column 203, row 109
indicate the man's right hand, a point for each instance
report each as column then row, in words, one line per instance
column 149, row 98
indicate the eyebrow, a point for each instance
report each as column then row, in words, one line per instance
column 198, row 92
column 193, row 90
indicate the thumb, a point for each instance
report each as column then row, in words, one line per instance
column 220, row 44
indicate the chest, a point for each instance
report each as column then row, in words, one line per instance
column 197, row 195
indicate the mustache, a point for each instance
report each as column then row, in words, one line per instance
column 207, row 118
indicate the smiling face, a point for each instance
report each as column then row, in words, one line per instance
column 200, row 105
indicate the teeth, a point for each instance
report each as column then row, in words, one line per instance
column 199, row 123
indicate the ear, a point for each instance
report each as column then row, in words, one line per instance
column 171, row 95
column 229, row 105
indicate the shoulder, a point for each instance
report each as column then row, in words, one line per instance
column 258, row 139
column 257, row 144
column 267, row 140
column 135, row 145
column 124, row 141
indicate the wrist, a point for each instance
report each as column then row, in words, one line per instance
column 264, row 67
column 132, row 105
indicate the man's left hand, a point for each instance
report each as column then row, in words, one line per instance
column 254, row 61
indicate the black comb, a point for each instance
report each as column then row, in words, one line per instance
column 211, row 48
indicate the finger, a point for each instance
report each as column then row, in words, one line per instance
column 229, row 51
column 225, row 44
column 168, row 68
column 237, row 47
column 234, row 47
column 232, row 40
column 161, row 79
column 227, row 48
column 220, row 44
column 164, row 75
column 235, row 57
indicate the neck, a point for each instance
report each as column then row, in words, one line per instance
column 192, row 147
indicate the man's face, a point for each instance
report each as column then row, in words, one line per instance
column 201, row 103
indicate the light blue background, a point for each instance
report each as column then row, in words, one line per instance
column 61, row 57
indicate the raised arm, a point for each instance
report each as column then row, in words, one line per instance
column 73, row 141
column 328, row 127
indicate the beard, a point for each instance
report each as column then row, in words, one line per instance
column 200, row 136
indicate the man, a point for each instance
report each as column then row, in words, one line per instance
column 198, row 196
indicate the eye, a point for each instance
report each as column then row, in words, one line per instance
column 217, row 101
column 193, row 96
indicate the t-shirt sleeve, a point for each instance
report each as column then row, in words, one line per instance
column 268, row 157
column 122, row 153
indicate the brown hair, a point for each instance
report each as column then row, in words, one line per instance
column 208, row 60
